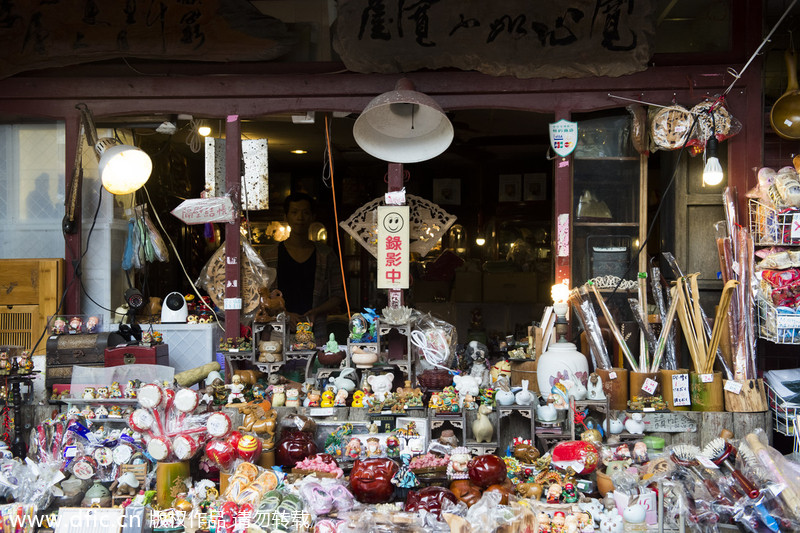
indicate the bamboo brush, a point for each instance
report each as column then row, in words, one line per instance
column 614, row 329
column 666, row 330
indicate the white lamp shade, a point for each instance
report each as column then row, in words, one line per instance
column 403, row 126
column 712, row 174
column 124, row 169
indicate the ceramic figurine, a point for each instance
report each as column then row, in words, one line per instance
column 469, row 403
column 87, row 412
column 478, row 353
column 353, row 448
column 341, row 398
column 559, row 396
column 5, row 367
column 435, row 401
column 101, row 393
column 236, row 388
column 595, row 388
column 546, row 412
column 73, row 411
column 457, row 467
column 451, row 402
column 373, row 447
column 347, row 380
column 557, row 524
column 312, row 398
column 571, row 523
column 101, row 412
column 448, row 438
column 501, row 368
column 326, row 399
column 639, row 454
column 504, row 395
column 115, row 412
column 612, row 523
column 554, row 493
column 304, row 336
column 575, row 387
column 525, row 396
column 292, row 397
column 114, row 391
column 88, row 393
column 75, row 325
column 381, row 384
column 278, row 396
column 544, row 523
column 466, row 385
column 569, row 494
column 613, row 425
column 358, row 399
column 482, row 428
column 92, row 324
column 392, row 446
column 59, row 326
column 25, row 363
column 634, row 424
column 131, row 389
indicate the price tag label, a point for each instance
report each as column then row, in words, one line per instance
column 706, row 378
column 706, row 462
column 649, row 409
column 733, row 386
column 650, row 386
column 796, row 226
column 612, row 375
column 680, row 390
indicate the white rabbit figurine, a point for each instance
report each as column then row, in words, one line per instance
column 634, row 424
column 613, row 425
column 524, row 397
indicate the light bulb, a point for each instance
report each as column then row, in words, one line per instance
column 205, row 131
column 480, row 241
column 712, row 174
column 559, row 292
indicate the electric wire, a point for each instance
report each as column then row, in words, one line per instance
column 336, row 218
column 177, row 255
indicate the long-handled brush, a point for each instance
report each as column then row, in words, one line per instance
column 722, row 453
column 686, row 455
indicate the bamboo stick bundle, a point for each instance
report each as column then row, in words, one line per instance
column 614, row 328
column 687, row 324
column 722, row 312
column 666, row 331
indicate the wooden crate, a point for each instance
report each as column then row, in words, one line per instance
column 31, row 292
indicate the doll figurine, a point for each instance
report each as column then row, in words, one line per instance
column 75, row 325
column 569, row 494
column 114, row 391
column 554, row 493
column 392, row 447
column 25, row 363
column 59, row 326
column 544, row 522
column 353, row 448
column 358, row 399
column 237, row 389
column 292, row 397
column 373, row 447
column 341, row 398
column 326, row 398
column 5, row 366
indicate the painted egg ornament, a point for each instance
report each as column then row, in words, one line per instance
column 223, row 453
column 234, row 437
column 248, row 448
column 582, row 456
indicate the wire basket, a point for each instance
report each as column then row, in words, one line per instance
column 770, row 226
column 779, row 325
column 784, row 413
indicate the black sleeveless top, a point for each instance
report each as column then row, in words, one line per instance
column 296, row 280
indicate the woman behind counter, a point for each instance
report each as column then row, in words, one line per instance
column 309, row 275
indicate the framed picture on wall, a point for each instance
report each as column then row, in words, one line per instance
column 447, row 191
column 534, row 187
column 510, row 188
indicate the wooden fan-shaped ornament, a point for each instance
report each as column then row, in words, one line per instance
column 215, row 284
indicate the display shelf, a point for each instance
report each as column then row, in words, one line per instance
column 775, row 324
column 100, row 401
column 770, row 226
column 783, row 412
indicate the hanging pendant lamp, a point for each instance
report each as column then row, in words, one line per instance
column 403, row 126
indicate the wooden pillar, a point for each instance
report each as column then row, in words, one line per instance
column 233, row 184
column 562, row 178
column 72, row 241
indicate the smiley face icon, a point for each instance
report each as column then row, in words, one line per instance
column 393, row 222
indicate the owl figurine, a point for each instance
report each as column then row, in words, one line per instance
column 304, row 337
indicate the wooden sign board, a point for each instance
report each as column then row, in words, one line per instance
column 668, row 423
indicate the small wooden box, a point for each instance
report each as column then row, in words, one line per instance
column 81, row 349
column 138, row 355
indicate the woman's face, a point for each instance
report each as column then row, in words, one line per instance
column 299, row 216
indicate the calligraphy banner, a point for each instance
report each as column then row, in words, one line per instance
column 57, row 32
column 571, row 39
